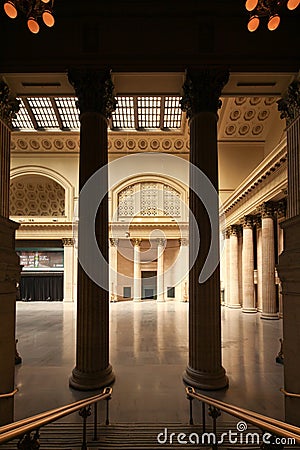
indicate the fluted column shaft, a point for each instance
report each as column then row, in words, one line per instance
column 248, row 267
column 68, row 244
column 9, row 262
column 227, row 267
column 201, row 101
column 93, row 371
column 259, row 262
column 113, row 269
column 289, row 260
column 269, row 307
column 234, row 299
column 160, row 270
column 137, row 285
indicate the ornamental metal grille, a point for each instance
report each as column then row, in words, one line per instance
column 126, row 202
column 149, row 199
column 171, row 199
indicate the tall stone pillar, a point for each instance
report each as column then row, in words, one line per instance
column 227, row 266
column 9, row 263
column 257, row 221
column 289, row 260
column 248, row 266
column 234, row 299
column 269, row 307
column 94, row 90
column 137, row 276
column 184, row 259
column 113, row 269
column 281, row 217
column 201, row 101
column 68, row 244
column 160, row 270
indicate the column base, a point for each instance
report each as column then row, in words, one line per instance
column 137, row 300
column 269, row 316
column 85, row 381
column 160, row 300
column 204, row 380
column 249, row 310
column 237, row 306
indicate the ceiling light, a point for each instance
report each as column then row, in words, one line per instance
column 251, row 4
column 267, row 10
column 32, row 10
column 253, row 23
column 273, row 22
column 10, row 9
column 292, row 4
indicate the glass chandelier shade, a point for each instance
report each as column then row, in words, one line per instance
column 33, row 10
column 268, row 10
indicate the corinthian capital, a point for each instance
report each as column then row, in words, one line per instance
column 202, row 90
column 289, row 105
column 94, row 89
column 9, row 106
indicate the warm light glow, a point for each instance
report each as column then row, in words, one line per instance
column 33, row 25
column 48, row 18
column 10, row 10
column 45, row 1
column 251, row 4
column 293, row 4
column 273, row 23
column 253, row 23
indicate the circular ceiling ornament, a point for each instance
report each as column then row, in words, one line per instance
column 230, row 130
column 143, row 144
column 34, row 144
column 154, row 144
column 167, row 144
column 58, row 144
column 257, row 130
column 178, row 144
column 235, row 114
column 244, row 129
column 70, row 144
column 22, row 144
column 263, row 114
column 119, row 144
column 46, row 144
column 255, row 100
column 249, row 114
column 130, row 144
column 240, row 100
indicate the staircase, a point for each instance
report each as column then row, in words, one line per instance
column 139, row 436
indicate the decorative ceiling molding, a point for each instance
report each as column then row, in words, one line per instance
column 122, row 143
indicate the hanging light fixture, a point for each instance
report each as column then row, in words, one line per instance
column 32, row 10
column 268, row 9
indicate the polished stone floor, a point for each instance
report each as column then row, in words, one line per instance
column 149, row 354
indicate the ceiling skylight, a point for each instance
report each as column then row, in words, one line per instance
column 172, row 116
column 123, row 117
column 22, row 120
column 149, row 112
column 43, row 112
column 68, row 112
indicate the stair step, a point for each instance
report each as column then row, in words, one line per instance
column 129, row 436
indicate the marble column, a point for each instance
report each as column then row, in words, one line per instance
column 289, row 260
column 94, row 90
column 184, row 259
column 281, row 217
column 248, row 266
column 234, row 299
column 137, row 276
column 68, row 244
column 113, row 269
column 269, row 307
column 227, row 266
column 201, row 93
column 9, row 263
column 160, row 270
column 259, row 261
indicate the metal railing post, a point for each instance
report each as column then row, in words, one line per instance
column 190, row 399
column 84, row 413
column 203, row 418
column 95, row 421
column 107, row 410
column 214, row 413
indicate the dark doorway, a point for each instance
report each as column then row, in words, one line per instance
column 149, row 282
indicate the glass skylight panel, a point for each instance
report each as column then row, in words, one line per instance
column 149, row 112
column 123, row 117
column 43, row 112
column 23, row 120
column 173, row 114
column 68, row 112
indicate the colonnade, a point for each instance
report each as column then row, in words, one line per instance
column 251, row 253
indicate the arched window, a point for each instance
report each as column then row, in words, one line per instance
column 149, row 199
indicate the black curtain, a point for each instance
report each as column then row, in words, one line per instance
column 37, row 287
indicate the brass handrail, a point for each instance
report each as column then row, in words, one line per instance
column 25, row 426
column 289, row 394
column 266, row 423
column 9, row 394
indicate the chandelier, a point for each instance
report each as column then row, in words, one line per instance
column 268, row 9
column 33, row 10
